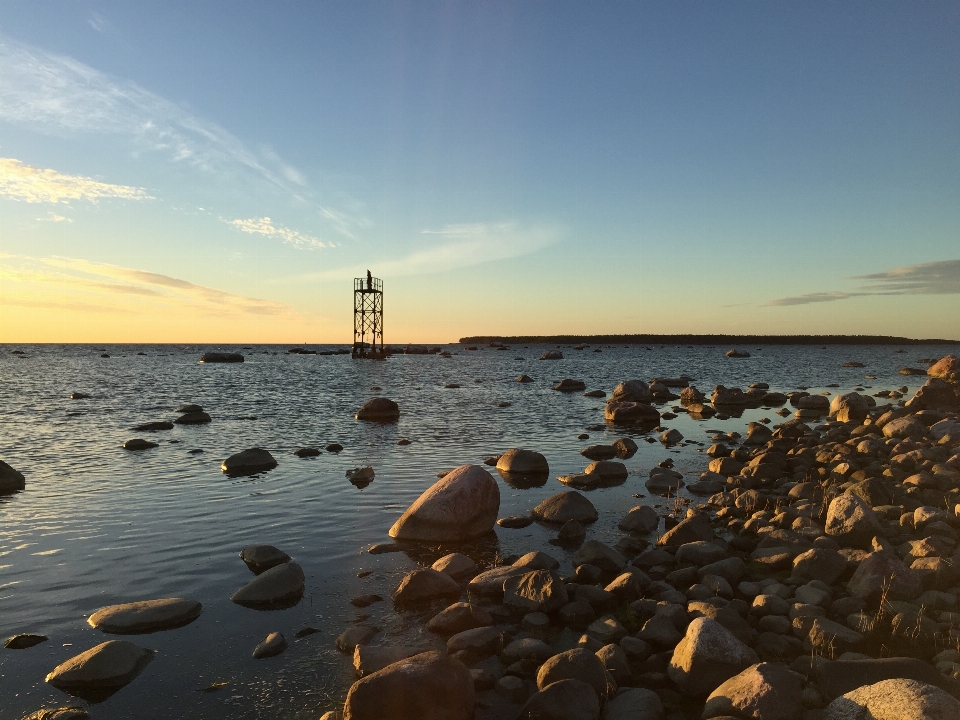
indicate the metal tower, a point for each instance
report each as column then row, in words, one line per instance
column 368, row 317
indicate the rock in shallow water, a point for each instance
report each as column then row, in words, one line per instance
column 379, row 410
column 424, row 585
column 462, row 505
column 139, row 444
column 10, row 479
column 273, row 644
column 260, row 558
column 248, row 462
column 108, row 666
column 24, row 641
column 564, row 506
column 196, row 417
column 280, row 586
column 220, row 357
column 61, row 713
column 145, row 616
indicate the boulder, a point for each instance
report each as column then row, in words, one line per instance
column 61, row 713
column 708, row 655
column 837, row 678
column 851, row 521
column 379, row 410
column 934, row 394
column 145, row 616
column 459, row 617
column 690, row 530
column 272, row 645
column 849, row 407
column 766, row 691
column 10, row 479
column 570, row 385
column 635, row 391
column 221, row 357
column 596, row 553
column 537, row 560
column 369, row 659
column 907, row 427
column 260, row 558
column 615, row 661
column 552, row 355
column 306, row 452
column 700, row 552
column 894, row 699
column 883, row 573
column 22, row 641
column 281, row 585
column 663, row 481
column 479, row 642
column 635, row 704
column 562, row 700
column 625, row 448
column 109, row 665
column 576, row 664
column 631, row 413
column 535, row 591
column 428, row 685
column 248, row 462
column 641, row 519
column 461, row 505
column 728, row 396
column 154, row 426
column 819, row 564
column 457, row 566
column 524, row 379
column 599, row 452
column 523, row 462
column 489, row 583
column 564, row 506
column 195, row 417
column 355, row 636
column 946, row 368
column 609, row 471
column 425, row 585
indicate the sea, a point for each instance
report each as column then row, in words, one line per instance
column 98, row 525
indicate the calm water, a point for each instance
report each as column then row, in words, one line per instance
column 98, row 525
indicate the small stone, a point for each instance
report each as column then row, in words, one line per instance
column 356, row 635
column 272, row 644
column 263, row 557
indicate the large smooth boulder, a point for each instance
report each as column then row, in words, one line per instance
column 248, row 462
column 429, row 685
column 489, row 583
column 564, row 506
column 895, row 699
column 946, row 368
column 523, row 462
column 635, row 704
column 369, row 659
column 576, row 664
column 707, row 656
column 691, row 529
column 379, row 410
column 563, row 700
column 145, row 616
column 635, row 391
column 851, row 521
column 849, row 407
column 456, row 565
column 664, row 481
column 10, row 479
column 535, row 591
column 461, row 505
column 598, row 554
column 631, row 413
column 903, row 428
column 883, row 573
column 459, row 617
column 642, row 519
column 837, row 678
column 425, row 585
column 821, row 564
column 109, row 665
column 935, row 393
column 728, row 396
column 761, row 692
column 570, row 385
column 279, row 586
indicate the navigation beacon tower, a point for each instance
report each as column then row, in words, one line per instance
column 368, row 318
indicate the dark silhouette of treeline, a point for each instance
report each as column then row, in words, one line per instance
column 704, row 340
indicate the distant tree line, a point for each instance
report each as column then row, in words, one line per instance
column 704, row 340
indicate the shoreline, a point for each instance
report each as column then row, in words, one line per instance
column 695, row 339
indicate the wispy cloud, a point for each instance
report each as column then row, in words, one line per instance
column 98, row 22
column 932, row 278
column 265, row 226
column 54, row 218
column 40, row 185
column 37, row 282
column 462, row 245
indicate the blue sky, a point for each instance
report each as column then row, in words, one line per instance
column 219, row 171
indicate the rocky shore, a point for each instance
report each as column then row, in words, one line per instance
column 813, row 575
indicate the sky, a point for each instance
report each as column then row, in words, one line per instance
column 218, row 172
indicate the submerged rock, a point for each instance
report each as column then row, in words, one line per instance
column 248, row 462
column 280, row 586
column 108, row 666
column 260, row 558
column 379, row 410
column 462, row 505
column 154, row 426
column 306, row 452
column 139, row 444
column 145, row 616
column 194, row 417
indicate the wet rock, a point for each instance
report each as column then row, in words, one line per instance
column 306, row 452
column 564, row 506
column 457, row 566
column 635, row 704
column 524, row 379
column 595, row 394
column 535, row 591
column 61, row 713
column 552, row 355
column 139, row 444
column 334, row 447
column 10, row 479
column 273, row 644
column 196, row 417
column 851, row 521
column 108, row 666
column 424, row 585
column 728, row 396
column 631, row 413
column 608, row 471
column 489, row 583
column 353, row 637
column 689, row 530
column 523, row 462
column 577, row 664
column 625, row 448
column 946, row 368
column 708, row 655
column 761, row 692
column 428, row 685
column 663, row 481
column 221, row 357
column 279, row 586
column 571, row 532
column 515, row 522
column 895, row 699
column 379, row 410
column 368, row 659
column 154, row 426
column 599, row 452
column 569, row 385
column 249, row 461
column 635, row 391
column 641, row 519
column 462, row 505
column 145, row 616
column 263, row 557
column 477, row 643
column 24, row 641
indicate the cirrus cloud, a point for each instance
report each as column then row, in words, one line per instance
column 265, row 226
column 41, row 185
